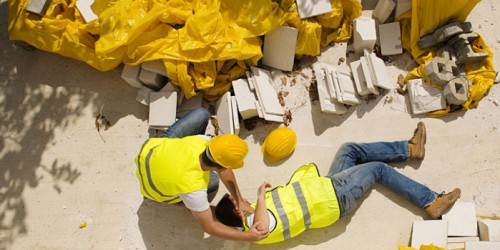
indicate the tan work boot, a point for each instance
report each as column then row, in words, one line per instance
column 417, row 143
column 442, row 203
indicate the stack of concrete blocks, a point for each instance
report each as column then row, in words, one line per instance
column 444, row 33
column 38, row 7
column 424, row 97
column 378, row 71
column 390, row 39
column 429, row 232
column 245, row 98
column 383, row 10
column 162, row 109
column 364, row 34
column 279, row 48
column 489, row 230
column 227, row 118
column 84, row 6
column 308, row 8
column 402, row 6
column 326, row 91
column 462, row 224
column 268, row 105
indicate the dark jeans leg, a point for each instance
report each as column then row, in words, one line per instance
column 193, row 123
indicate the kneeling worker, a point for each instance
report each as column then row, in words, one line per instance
column 181, row 166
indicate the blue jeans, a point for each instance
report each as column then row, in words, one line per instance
column 357, row 166
column 194, row 123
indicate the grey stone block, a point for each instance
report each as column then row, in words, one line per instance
column 457, row 91
column 446, row 52
column 38, row 7
column 447, row 31
column 426, row 42
column 439, row 70
column 468, row 55
column 462, row 40
column 467, row 27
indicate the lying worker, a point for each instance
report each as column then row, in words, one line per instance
column 311, row 201
column 180, row 165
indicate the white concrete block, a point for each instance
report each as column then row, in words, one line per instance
column 259, row 109
column 309, row 8
column 489, row 230
column 279, row 48
column 368, row 76
column 345, row 87
column 364, row 34
column 266, row 93
column 390, row 39
column 461, row 219
column 359, row 78
column 131, row 75
column 402, row 6
column 162, row 109
column 378, row 71
column 224, row 114
column 266, row 116
column 156, row 66
column 329, row 71
column 245, row 99
column 459, row 242
column 250, row 81
column 143, row 95
column 189, row 104
column 383, row 10
column 84, row 6
column 236, row 118
column 482, row 245
column 424, row 97
column 38, row 7
column 429, row 231
column 152, row 80
column 327, row 103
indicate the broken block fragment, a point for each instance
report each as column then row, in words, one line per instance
column 462, row 40
column 447, row 31
column 402, row 6
column 308, row 8
column 426, row 41
column 424, row 97
column 131, row 75
column 236, row 118
column 245, row 99
column 457, row 91
column 390, row 39
column 162, row 109
column 84, row 6
column 279, row 48
column 468, row 55
column 359, row 78
column 344, row 87
column 326, row 102
column 224, row 113
column 378, row 71
column 364, row 34
column 383, row 10
column 152, row 80
column 266, row 93
column 38, row 7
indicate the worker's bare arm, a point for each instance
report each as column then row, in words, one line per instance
column 215, row 228
column 229, row 180
column 261, row 215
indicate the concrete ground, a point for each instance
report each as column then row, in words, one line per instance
column 57, row 172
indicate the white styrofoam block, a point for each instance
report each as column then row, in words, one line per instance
column 482, row 245
column 162, row 108
column 390, row 39
column 402, row 6
column 143, row 95
column 245, row 99
column 84, row 6
column 368, row 76
column 378, row 71
column 224, row 114
column 327, row 103
column 189, row 104
column 364, row 34
column 152, row 80
column 156, row 66
column 308, row 8
column 131, row 75
column 489, row 230
column 461, row 219
column 383, row 10
column 359, row 78
column 429, row 231
column 236, row 118
column 279, row 48
column 346, row 92
column 266, row 93
column 459, row 242
column 38, row 7
column 424, row 97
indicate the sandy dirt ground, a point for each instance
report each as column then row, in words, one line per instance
column 57, row 172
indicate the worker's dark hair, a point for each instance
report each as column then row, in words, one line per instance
column 206, row 159
column 224, row 213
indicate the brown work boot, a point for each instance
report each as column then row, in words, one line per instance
column 417, row 143
column 442, row 203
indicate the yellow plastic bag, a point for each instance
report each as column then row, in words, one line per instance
column 428, row 15
column 422, row 247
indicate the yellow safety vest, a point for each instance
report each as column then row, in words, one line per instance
column 307, row 201
column 167, row 167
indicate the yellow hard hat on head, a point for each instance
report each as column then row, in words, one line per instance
column 228, row 150
column 279, row 144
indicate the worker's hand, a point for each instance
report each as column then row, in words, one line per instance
column 256, row 235
column 244, row 207
column 262, row 188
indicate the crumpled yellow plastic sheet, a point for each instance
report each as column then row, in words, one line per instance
column 422, row 247
column 204, row 44
column 424, row 18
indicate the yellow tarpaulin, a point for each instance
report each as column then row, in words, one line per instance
column 204, row 44
column 425, row 17
column 423, row 247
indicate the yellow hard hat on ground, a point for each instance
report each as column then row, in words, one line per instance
column 228, row 150
column 279, row 144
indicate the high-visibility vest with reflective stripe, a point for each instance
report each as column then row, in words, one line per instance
column 307, row 201
column 167, row 167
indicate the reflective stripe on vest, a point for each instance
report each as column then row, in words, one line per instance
column 150, row 179
column 138, row 162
